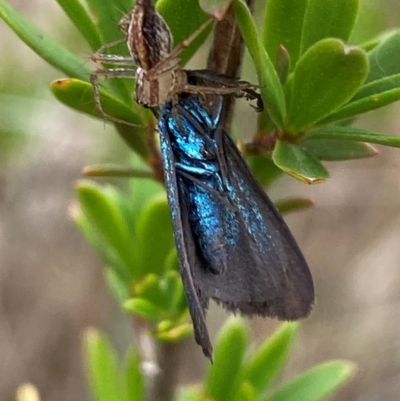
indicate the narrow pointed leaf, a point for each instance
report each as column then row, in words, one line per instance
column 134, row 377
column 154, row 222
column 83, row 222
column 174, row 292
column 120, row 288
column 325, row 78
column 79, row 96
column 246, row 392
column 82, row 21
column 104, row 215
column 192, row 393
column 338, row 150
column 101, row 366
column 184, row 17
column 377, row 87
column 384, row 59
column 283, row 27
column 299, row 163
column 113, row 170
column 108, row 15
column 144, row 309
column 267, row 361
column 328, row 19
column 43, row 44
column 175, row 333
column 264, row 169
column 364, row 105
column 271, row 88
column 293, row 205
column 222, row 377
column 316, row 383
column 354, row 134
column 149, row 287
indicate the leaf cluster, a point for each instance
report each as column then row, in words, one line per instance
column 236, row 375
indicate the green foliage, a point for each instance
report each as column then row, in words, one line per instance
column 299, row 163
column 312, row 83
column 326, row 82
column 236, row 374
column 108, row 381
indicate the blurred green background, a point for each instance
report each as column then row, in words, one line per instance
column 51, row 284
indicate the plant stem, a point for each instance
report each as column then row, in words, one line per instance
column 226, row 56
column 165, row 381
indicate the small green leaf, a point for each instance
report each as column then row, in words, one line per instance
column 377, row 87
column 173, row 291
column 134, row 377
column 328, row 19
column 338, row 150
column 101, row 367
column 271, row 88
column 283, row 27
column 82, row 21
column 325, row 78
column 79, row 96
column 113, row 170
column 267, row 361
column 192, row 393
column 353, row 134
column 283, row 64
column 43, row 44
column 246, row 392
column 381, row 37
column 299, row 163
column 293, row 205
column 140, row 193
column 222, row 381
column 184, row 17
column 363, row 105
column 174, row 333
column 373, row 95
column 104, row 215
column 120, row 288
column 143, row 308
column 154, row 223
column 316, row 383
column 384, row 59
column 264, row 169
column 95, row 239
column 149, row 288
column 108, row 14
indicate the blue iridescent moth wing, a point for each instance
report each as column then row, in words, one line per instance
column 233, row 245
column 183, row 235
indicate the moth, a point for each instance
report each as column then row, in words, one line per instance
column 233, row 245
